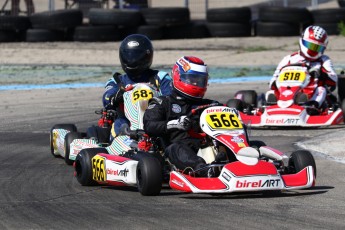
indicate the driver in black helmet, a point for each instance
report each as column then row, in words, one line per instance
column 136, row 54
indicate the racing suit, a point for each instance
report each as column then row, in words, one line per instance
column 181, row 148
column 116, row 85
column 321, row 70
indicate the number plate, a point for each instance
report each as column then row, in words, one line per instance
column 98, row 168
column 292, row 75
column 141, row 94
column 223, row 120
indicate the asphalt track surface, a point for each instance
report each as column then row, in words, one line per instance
column 39, row 191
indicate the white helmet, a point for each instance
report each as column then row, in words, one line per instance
column 313, row 42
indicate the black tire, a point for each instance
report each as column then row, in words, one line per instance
column 59, row 19
column 68, row 140
column 335, row 15
column 8, row 36
column 189, row 30
column 43, row 35
column 83, row 165
column 69, row 127
column 341, row 3
column 301, row 98
column 257, row 144
column 163, row 16
column 237, row 15
column 149, row 176
column 249, row 97
column 9, row 22
column 235, row 103
column 300, row 159
column 285, row 14
column 101, row 135
column 151, row 31
column 115, row 17
column 96, row 33
column 227, row 29
column 341, row 86
column 331, row 28
column 343, row 108
column 277, row 29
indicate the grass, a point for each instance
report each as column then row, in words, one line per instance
column 341, row 27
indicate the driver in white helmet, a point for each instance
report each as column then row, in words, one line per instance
column 312, row 43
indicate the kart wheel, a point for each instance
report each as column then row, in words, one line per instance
column 343, row 108
column 149, row 176
column 69, row 127
column 301, row 159
column 247, row 96
column 256, row 144
column 235, row 103
column 68, row 140
column 83, row 166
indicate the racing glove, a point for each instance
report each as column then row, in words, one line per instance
column 183, row 123
column 117, row 98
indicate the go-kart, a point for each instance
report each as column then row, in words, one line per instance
column 67, row 142
column 289, row 106
column 247, row 165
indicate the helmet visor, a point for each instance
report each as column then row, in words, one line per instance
column 195, row 79
column 314, row 47
column 135, row 57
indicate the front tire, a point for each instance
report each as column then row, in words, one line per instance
column 149, row 176
column 256, row 144
column 301, row 159
column 69, row 138
column 83, row 165
column 343, row 108
column 69, row 127
column 249, row 97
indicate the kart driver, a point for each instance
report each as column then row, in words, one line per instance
column 312, row 43
column 136, row 54
column 166, row 115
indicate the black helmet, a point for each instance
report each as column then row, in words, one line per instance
column 136, row 54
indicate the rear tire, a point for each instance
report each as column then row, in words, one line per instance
column 235, row 103
column 300, row 159
column 256, row 144
column 68, row 140
column 343, row 108
column 69, row 127
column 83, row 166
column 149, row 176
column 247, row 96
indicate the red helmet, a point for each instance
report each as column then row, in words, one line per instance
column 313, row 42
column 190, row 77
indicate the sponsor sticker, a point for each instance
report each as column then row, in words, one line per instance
column 176, row 108
column 133, row 43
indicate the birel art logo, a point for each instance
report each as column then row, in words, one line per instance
column 258, row 184
column 123, row 172
column 290, row 121
column 179, row 183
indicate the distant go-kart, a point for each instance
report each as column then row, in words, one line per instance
column 234, row 164
column 290, row 108
column 67, row 142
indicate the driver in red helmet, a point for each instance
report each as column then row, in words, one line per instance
column 312, row 43
column 166, row 116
